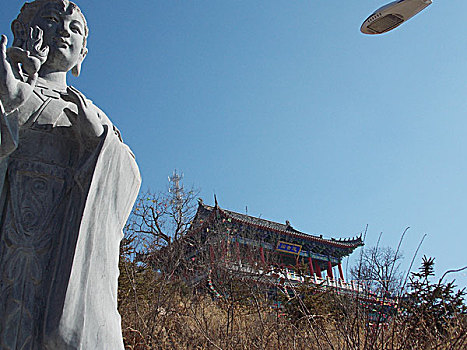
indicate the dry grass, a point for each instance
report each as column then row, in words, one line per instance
column 161, row 314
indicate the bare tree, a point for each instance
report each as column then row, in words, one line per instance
column 166, row 216
column 379, row 268
column 150, row 255
column 159, row 221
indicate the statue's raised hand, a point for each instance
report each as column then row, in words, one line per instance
column 87, row 117
column 19, row 69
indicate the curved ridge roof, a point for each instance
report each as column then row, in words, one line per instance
column 285, row 229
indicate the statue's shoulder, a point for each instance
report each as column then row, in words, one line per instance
column 88, row 100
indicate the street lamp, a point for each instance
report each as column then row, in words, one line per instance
column 392, row 15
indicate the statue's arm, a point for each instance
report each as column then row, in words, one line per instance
column 8, row 132
column 114, row 132
column 18, row 75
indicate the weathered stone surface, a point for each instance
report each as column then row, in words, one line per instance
column 67, row 182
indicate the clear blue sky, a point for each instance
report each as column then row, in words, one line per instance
column 285, row 107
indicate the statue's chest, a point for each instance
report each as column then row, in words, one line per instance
column 46, row 108
column 46, row 134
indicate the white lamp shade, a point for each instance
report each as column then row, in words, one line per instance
column 392, row 15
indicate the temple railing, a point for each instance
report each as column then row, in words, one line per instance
column 289, row 277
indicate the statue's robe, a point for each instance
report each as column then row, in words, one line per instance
column 65, row 199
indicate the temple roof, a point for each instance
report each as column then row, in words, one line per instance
column 285, row 229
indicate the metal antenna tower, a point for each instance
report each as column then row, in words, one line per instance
column 176, row 188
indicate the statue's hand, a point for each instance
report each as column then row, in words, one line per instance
column 87, row 117
column 28, row 61
column 34, row 45
column 15, row 88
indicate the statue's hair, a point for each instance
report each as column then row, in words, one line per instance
column 30, row 9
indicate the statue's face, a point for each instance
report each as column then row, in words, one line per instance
column 64, row 31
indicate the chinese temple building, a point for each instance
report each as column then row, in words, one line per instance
column 244, row 243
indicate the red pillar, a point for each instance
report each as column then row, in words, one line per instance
column 310, row 266
column 261, row 252
column 318, row 269
column 224, row 249
column 330, row 274
column 211, row 254
column 341, row 274
column 237, row 248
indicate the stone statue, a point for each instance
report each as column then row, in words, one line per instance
column 68, row 184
